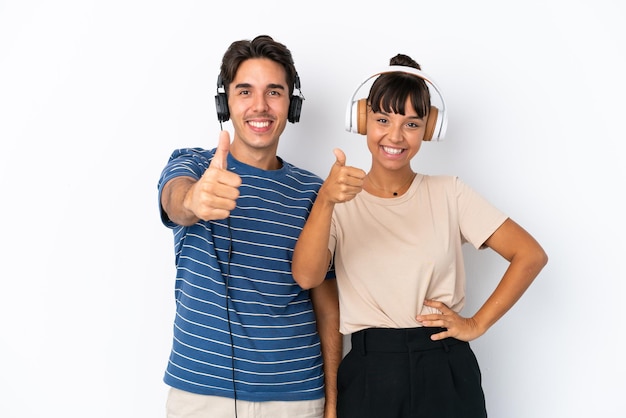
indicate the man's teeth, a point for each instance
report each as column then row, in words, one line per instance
column 259, row 124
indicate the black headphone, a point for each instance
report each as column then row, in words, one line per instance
column 436, row 124
column 221, row 102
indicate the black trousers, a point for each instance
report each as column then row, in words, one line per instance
column 402, row 373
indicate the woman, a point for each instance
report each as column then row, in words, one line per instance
column 395, row 239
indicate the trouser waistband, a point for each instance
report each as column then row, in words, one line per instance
column 399, row 340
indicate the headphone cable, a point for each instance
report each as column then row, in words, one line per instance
column 230, row 331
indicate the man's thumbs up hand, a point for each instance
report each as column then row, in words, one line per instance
column 215, row 194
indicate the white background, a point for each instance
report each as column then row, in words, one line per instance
column 94, row 95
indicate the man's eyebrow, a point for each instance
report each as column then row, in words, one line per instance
column 269, row 86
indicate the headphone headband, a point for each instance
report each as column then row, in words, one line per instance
column 352, row 113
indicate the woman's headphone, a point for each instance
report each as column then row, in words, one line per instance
column 436, row 124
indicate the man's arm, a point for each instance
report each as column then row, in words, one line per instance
column 326, row 305
column 186, row 200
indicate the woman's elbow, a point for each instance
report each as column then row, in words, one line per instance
column 305, row 281
column 308, row 271
column 542, row 258
column 537, row 260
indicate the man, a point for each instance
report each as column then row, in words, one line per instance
column 246, row 336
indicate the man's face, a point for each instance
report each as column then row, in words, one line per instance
column 258, row 100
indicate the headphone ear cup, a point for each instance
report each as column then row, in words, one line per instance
column 221, row 106
column 361, row 120
column 295, row 107
column 431, row 123
column 361, row 116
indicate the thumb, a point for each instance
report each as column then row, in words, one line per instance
column 220, row 159
column 341, row 157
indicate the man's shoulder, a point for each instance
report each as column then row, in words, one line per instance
column 302, row 173
column 192, row 152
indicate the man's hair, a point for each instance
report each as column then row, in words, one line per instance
column 263, row 46
column 391, row 90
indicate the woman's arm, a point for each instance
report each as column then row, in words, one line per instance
column 311, row 257
column 526, row 259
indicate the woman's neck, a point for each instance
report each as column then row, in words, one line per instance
column 393, row 185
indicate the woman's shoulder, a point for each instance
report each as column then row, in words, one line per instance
column 440, row 179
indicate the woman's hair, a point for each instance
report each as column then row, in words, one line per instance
column 263, row 46
column 390, row 91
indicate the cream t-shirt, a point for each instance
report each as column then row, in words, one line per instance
column 391, row 254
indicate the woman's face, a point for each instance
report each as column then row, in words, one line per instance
column 394, row 139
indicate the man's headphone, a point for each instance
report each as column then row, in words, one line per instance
column 436, row 124
column 221, row 102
